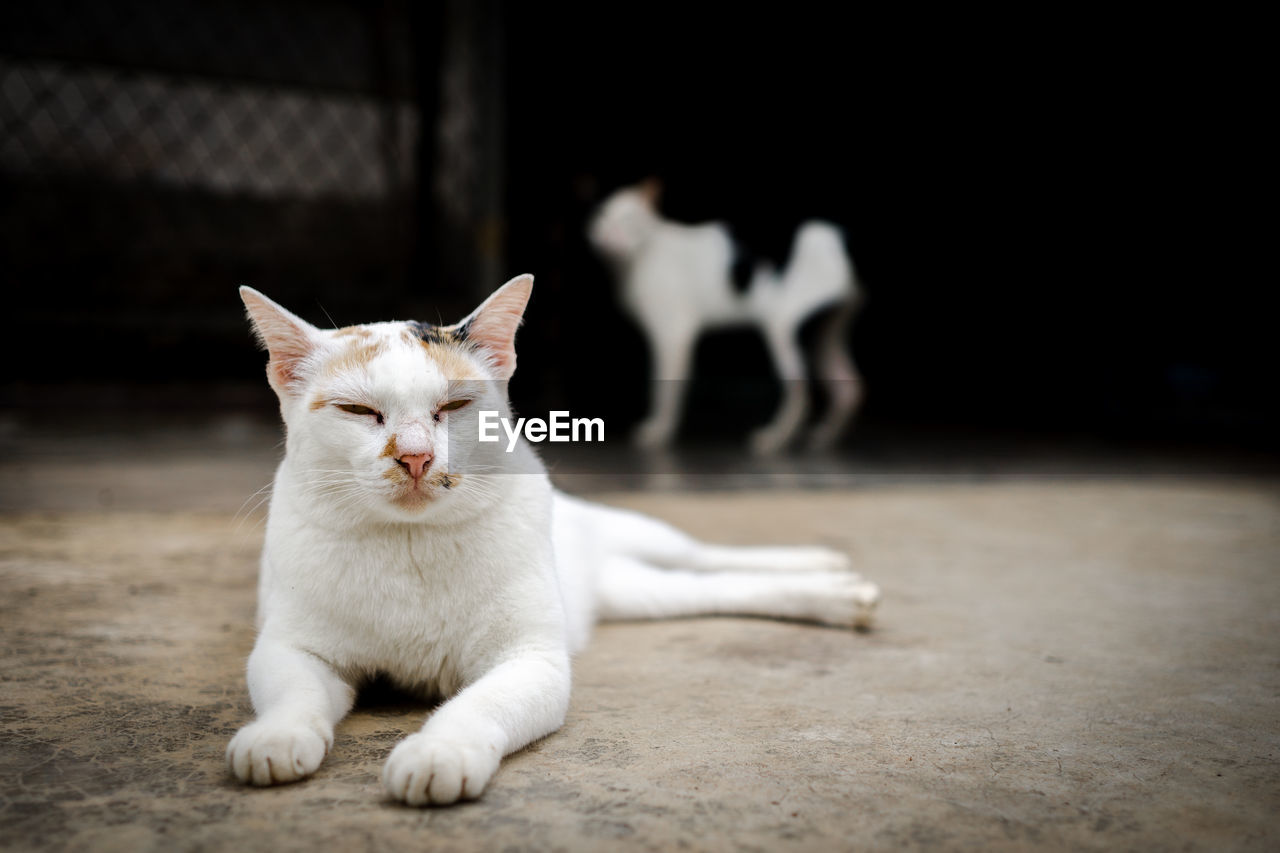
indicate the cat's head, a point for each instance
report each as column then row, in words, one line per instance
column 382, row 418
column 625, row 220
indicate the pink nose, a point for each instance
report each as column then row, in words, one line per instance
column 415, row 463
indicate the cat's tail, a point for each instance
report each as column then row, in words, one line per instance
column 820, row 271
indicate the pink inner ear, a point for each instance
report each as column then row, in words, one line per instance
column 285, row 362
column 493, row 326
column 288, row 339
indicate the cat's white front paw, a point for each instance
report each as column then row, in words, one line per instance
column 268, row 752
column 424, row 770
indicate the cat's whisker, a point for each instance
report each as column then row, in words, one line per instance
column 266, row 488
column 260, row 519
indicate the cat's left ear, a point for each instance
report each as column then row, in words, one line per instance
column 289, row 339
column 492, row 326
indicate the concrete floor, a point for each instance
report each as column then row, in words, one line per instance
column 1067, row 663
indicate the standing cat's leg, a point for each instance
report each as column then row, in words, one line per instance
column 671, row 344
column 788, row 362
column 298, row 699
column 658, row 543
column 839, row 376
column 458, row 749
column 630, row 589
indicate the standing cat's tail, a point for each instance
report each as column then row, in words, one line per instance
column 822, row 274
column 819, row 271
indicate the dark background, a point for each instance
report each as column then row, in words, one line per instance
column 1052, row 214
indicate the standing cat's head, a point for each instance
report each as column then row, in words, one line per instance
column 625, row 220
column 381, row 418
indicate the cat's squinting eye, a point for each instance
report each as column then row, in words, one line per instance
column 355, row 409
column 451, row 406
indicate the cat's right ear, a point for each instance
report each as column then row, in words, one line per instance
column 288, row 338
column 492, row 326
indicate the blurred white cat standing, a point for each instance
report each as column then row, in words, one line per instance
column 677, row 281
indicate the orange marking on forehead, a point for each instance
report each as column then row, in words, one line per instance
column 359, row 332
column 356, row 356
column 453, row 362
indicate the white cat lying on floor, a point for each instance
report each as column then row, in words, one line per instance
column 400, row 545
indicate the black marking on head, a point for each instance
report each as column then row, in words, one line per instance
column 429, row 334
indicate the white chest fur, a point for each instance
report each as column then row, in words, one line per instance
column 432, row 606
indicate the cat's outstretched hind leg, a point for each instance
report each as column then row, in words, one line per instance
column 631, row 589
column 762, row 558
column 657, row 543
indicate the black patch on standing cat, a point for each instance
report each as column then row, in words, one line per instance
column 757, row 244
column 430, row 334
column 746, row 260
column 742, row 268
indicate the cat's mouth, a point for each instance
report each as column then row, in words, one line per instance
column 415, row 493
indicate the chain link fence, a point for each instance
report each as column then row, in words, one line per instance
column 154, row 155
